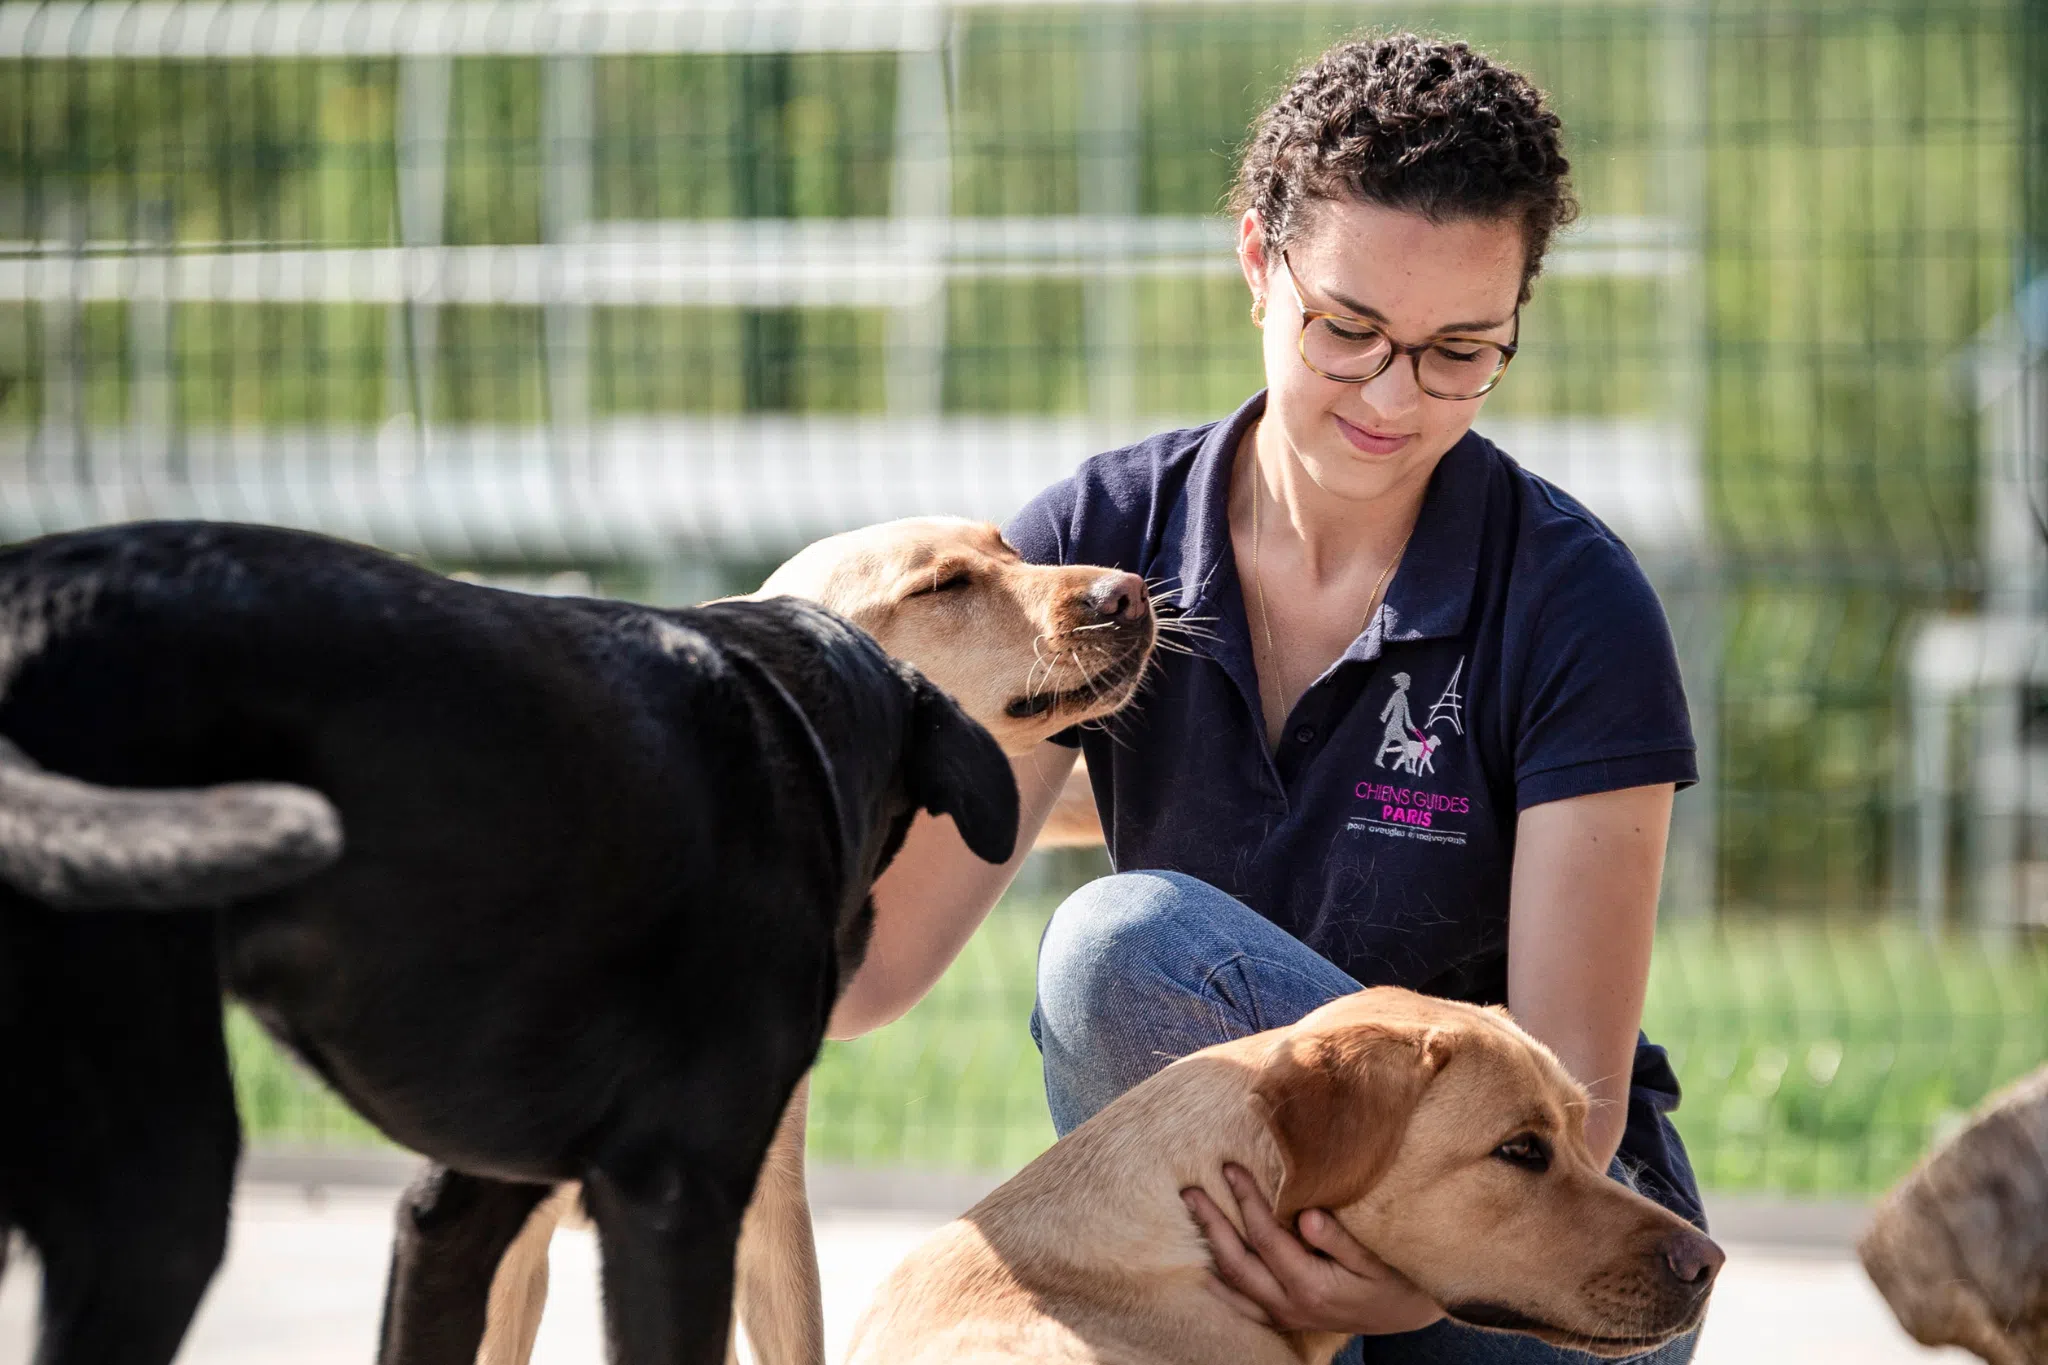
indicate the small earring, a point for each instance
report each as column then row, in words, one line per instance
column 1259, row 311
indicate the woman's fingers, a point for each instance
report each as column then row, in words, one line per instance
column 1281, row 1250
column 1239, row 1268
column 1329, row 1281
column 1398, row 1305
column 1323, row 1232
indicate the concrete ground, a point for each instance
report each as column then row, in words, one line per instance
column 305, row 1271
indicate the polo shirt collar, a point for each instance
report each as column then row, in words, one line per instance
column 1431, row 594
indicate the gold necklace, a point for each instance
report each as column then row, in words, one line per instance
column 1259, row 588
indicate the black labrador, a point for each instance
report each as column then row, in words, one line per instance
column 546, row 888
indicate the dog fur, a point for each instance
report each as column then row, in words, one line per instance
column 547, row 889
column 1412, row 1119
column 1027, row 650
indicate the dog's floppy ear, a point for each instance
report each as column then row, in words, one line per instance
column 956, row 768
column 1338, row 1104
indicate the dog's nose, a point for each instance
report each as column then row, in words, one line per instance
column 1119, row 597
column 1693, row 1258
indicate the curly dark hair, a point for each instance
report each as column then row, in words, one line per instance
column 1410, row 123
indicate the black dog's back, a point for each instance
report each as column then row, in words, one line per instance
column 181, row 652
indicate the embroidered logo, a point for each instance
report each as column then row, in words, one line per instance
column 1413, row 747
column 1414, row 812
column 1450, row 706
column 1400, row 733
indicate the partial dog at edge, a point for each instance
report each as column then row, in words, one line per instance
column 1445, row 1139
column 1959, row 1248
column 1027, row 650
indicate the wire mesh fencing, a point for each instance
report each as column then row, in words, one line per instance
column 642, row 296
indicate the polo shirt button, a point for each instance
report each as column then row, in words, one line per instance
column 1304, row 734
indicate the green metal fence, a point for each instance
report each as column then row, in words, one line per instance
column 658, row 292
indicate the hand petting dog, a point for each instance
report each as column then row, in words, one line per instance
column 1323, row 1280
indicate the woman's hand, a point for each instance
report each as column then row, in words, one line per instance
column 1322, row 1281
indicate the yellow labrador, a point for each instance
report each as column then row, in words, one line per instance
column 1444, row 1138
column 1027, row 650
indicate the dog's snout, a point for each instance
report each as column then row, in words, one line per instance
column 1694, row 1259
column 1118, row 597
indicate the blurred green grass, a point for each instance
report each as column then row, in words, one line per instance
column 1824, row 1057
column 1818, row 1058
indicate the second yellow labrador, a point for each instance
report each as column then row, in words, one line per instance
column 1445, row 1139
column 1027, row 650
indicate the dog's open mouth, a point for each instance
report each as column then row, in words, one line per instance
column 1107, row 689
column 1502, row 1318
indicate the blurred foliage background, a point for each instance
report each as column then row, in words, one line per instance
column 1793, row 353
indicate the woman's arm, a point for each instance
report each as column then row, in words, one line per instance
column 1582, row 911
column 934, row 895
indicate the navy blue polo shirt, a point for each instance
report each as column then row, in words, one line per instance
column 1520, row 657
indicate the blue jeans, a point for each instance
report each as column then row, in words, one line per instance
column 1141, row 968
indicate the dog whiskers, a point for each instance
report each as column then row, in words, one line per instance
column 1038, row 661
column 1161, row 588
column 1185, row 625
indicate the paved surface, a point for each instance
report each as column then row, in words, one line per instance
column 304, row 1277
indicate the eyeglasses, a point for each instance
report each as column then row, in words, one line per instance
column 1353, row 351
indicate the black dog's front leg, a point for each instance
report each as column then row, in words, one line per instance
column 452, row 1231
column 667, row 1232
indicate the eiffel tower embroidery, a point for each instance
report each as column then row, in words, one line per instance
column 1449, row 706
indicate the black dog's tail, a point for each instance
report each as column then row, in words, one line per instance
column 74, row 844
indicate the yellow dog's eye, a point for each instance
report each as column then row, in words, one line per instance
column 1528, row 1151
column 959, row 578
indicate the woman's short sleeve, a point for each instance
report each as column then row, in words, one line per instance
column 1041, row 531
column 1602, row 706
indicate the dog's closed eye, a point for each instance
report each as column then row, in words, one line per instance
column 1527, row 1151
column 946, row 580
